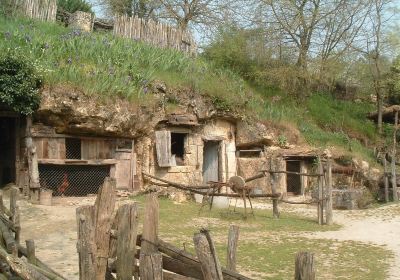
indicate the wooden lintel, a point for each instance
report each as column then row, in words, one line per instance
column 78, row 162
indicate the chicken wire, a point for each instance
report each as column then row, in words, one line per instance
column 73, row 180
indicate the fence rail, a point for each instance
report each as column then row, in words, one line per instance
column 154, row 33
column 45, row 10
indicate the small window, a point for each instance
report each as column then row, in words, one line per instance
column 256, row 153
column 73, row 148
column 178, row 147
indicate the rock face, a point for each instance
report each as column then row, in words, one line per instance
column 70, row 111
column 250, row 135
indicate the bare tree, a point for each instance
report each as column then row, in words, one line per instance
column 196, row 12
column 140, row 8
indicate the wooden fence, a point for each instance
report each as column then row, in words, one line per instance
column 45, row 10
column 155, row 33
column 110, row 244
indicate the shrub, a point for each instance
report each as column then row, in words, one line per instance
column 72, row 6
column 19, row 83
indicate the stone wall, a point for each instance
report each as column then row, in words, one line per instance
column 192, row 170
column 81, row 20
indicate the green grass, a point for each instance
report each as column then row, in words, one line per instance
column 101, row 64
column 267, row 247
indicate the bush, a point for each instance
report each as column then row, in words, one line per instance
column 72, row 6
column 19, row 83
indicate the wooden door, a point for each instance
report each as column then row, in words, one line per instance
column 125, row 169
column 210, row 161
column 293, row 180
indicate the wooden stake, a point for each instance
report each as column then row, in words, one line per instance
column 30, row 247
column 386, row 180
column 274, row 181
column 126, row 242
column 207, row 257
column 320, row 193
column 150, row 225
column 394, row 179
column 86, row 245
column 304, row 266
column 329, row 211
column 149, row 255
column 233, row 238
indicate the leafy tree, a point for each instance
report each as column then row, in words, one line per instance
column 72, row 6
column 19, row 83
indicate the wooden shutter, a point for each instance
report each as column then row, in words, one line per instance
column 163, row 147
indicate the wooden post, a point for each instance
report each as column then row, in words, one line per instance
column 126, row 241
column 274, row 181
column 233, row 238
column 17, row 226
column 34, row 184
column 150, row 225
column 304, row 266
column 329, row 211
column 394, row 179
column 207, row 256
column 86, row 245
column 320, row 193
column 150, row 258
column 151, row 267
column 103, row 209
column 30, row 248
column 386, row 179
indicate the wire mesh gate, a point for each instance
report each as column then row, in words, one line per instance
column 73, row 180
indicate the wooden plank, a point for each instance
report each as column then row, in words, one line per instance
column 86, row 245
column 61, row 148
column 53, row 148
column 163, row 148
column 233, row 238
column 103, row 209
column 126, row 242
column 207, row 256
column 304, row 266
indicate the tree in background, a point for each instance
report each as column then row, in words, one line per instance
column 71, row 6
column 139, row 8
column 19, row 83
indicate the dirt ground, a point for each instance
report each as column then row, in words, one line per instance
column 54, row 230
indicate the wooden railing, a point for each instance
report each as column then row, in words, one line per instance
column 154, row 33
column 45, row 10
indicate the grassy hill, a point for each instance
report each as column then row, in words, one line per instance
column 99, row 63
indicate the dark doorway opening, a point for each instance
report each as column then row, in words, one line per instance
column 73, row 148
column 211, row 161
column 293, row 181
column 7, row 150
column 178, row 147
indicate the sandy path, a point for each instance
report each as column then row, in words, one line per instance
column 54, row 230
column 379, row 226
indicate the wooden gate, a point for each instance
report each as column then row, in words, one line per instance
column 211, row 161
